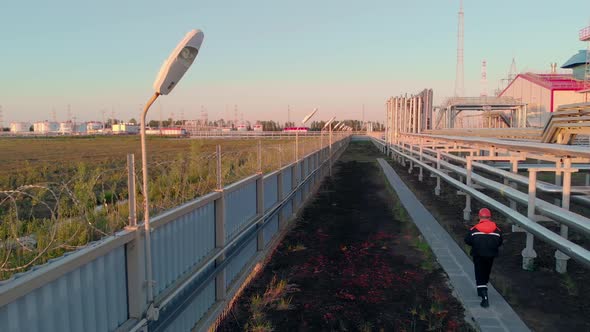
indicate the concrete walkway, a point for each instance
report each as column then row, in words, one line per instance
column 499, row 316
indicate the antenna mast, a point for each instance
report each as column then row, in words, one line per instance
column 459, row 82
column 484, row 79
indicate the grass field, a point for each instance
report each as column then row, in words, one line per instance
column 57, row 194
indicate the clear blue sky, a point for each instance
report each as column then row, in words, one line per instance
column 264, row 55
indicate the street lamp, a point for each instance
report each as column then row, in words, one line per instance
column 322, row 130
column 171, row 72
column 305, row 119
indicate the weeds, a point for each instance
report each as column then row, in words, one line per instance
column 79, row 192
column 570, row 285
column 428, row 263
column 273, row 298
column 284, row 304
column 297, row 247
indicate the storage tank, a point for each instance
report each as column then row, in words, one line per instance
column 19, row 127
column 66, row 127
column 45, row 127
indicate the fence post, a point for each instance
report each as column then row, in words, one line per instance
column 294, row 183
column 280, row 198
column 467, row 210
column 260, row 200
column 561, row 258
column 131, row 189
column 437, row 188
column 528, row 253
column 135, row 253
column 421, row 174
column 220, row 288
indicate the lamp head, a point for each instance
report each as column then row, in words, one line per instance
column 178, row 62
column 329, row 122
column 309, row 116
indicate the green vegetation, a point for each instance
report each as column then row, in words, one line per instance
column 275, row 298
column 58, row 194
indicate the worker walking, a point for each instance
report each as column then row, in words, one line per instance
column 484, row 238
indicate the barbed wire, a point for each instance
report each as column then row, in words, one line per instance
column 70, row 207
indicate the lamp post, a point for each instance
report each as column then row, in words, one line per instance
column 322, row 130
column 305, row 119
column 170, row 73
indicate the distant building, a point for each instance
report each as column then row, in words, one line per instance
column 242, row 128
column 167, row 131
column 94, row 127
column 544, row 93
column 79, row 128
column 296, row 129
column 125, row 128
column 577, row 63
column 20, row 127
column 66, row 127
column 258, row 127
column 45, row 127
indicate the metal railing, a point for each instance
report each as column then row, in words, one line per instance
column 433, row 160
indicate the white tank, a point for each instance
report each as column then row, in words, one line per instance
column 19, row 127
column 45, row 127
column 66, row 127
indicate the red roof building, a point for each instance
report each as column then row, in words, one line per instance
column 544, row 93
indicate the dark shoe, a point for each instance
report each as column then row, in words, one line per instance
column 484, row 298
column 484, row 302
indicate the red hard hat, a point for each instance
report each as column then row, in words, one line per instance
column 485, row 212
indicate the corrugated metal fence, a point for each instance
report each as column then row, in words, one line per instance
column 102, row 287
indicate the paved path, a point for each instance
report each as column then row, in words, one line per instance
column 499, row 316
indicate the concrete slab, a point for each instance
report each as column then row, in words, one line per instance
column 499, row 316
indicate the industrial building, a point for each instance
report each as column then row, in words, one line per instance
column 125, row 128
column 45, row 127
column 94, row 127
column 175, row 131
column 20, row 127
column 544, row 93
column 411, row 114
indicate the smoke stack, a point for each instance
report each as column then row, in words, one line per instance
column 554, row 68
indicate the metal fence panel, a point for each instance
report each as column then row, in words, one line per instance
column 239, row 261
column 191, row 315
column 287, row 209
column 270, row 229
column 287, row 180
column 90, row 298
column 240, row 207
column 270, row 191
column 181, row 244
